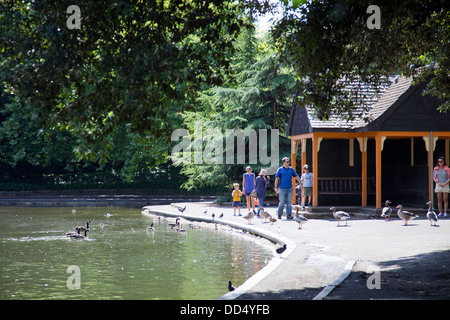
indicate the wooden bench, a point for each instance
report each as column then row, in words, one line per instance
column 344, row 185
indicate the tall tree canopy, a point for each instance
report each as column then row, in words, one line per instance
column 328, row 41
column 257, row 95
column 131, row 62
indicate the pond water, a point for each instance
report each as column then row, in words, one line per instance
column 119, row 259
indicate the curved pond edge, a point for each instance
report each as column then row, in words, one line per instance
column 252, row 229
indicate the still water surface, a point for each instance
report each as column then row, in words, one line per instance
column 120, row 259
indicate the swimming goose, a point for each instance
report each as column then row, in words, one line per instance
column 81, row 228
column 173, row 225
column 72, row 234
column 405, row 215
column 340, row 215
column 230, row 286
column 282, row 249
column 80, row 236
column 249, row 217
column 387, row 211
column 300, row 220
column 431, row 215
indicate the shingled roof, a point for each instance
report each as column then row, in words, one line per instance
column 395, row 106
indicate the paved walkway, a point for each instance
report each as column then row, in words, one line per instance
column 403, row 261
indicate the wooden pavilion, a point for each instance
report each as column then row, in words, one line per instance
column 390, row 156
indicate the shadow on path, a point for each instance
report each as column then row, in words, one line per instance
column 304, row 294
column 424, row 276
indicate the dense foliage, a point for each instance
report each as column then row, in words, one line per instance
column 257, row 95
column 135, row 63
column 327, row 41
column 106, row 97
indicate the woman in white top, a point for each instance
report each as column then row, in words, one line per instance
column 442, row 178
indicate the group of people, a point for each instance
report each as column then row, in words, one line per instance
column 254, row 188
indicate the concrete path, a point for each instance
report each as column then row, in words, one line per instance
column 321, row 255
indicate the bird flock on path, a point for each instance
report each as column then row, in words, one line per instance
column 339, row 215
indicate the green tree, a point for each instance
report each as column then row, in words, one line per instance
column 30, row 151
column 329, row 41
column 23, row 140
column 257, row 96
column 136, row 63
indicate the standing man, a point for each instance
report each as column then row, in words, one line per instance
column 283, row 187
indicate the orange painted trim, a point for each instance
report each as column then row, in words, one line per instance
column 293, row 165
column 364, row 179
column 378, row 171
column 315, row 160
column 430, row 167
column 377, row 135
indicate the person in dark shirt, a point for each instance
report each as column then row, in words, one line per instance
column 283, row 187
column 262, row 183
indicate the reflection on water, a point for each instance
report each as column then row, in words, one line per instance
column 120, row 259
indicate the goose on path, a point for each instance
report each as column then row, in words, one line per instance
column 264, row 215
column 300, row 220
column 431, row 215
column 405, row 215
column 249, row 217
column 340, row 215
column 387, row 211
column 272, row 220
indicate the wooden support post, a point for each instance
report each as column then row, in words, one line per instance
column 294, row 147
column 430, row 168
column 315, row 153
column 304, row 141
column 351, row 152
column 430, row 143
column 363, row 149
column 379, row 139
